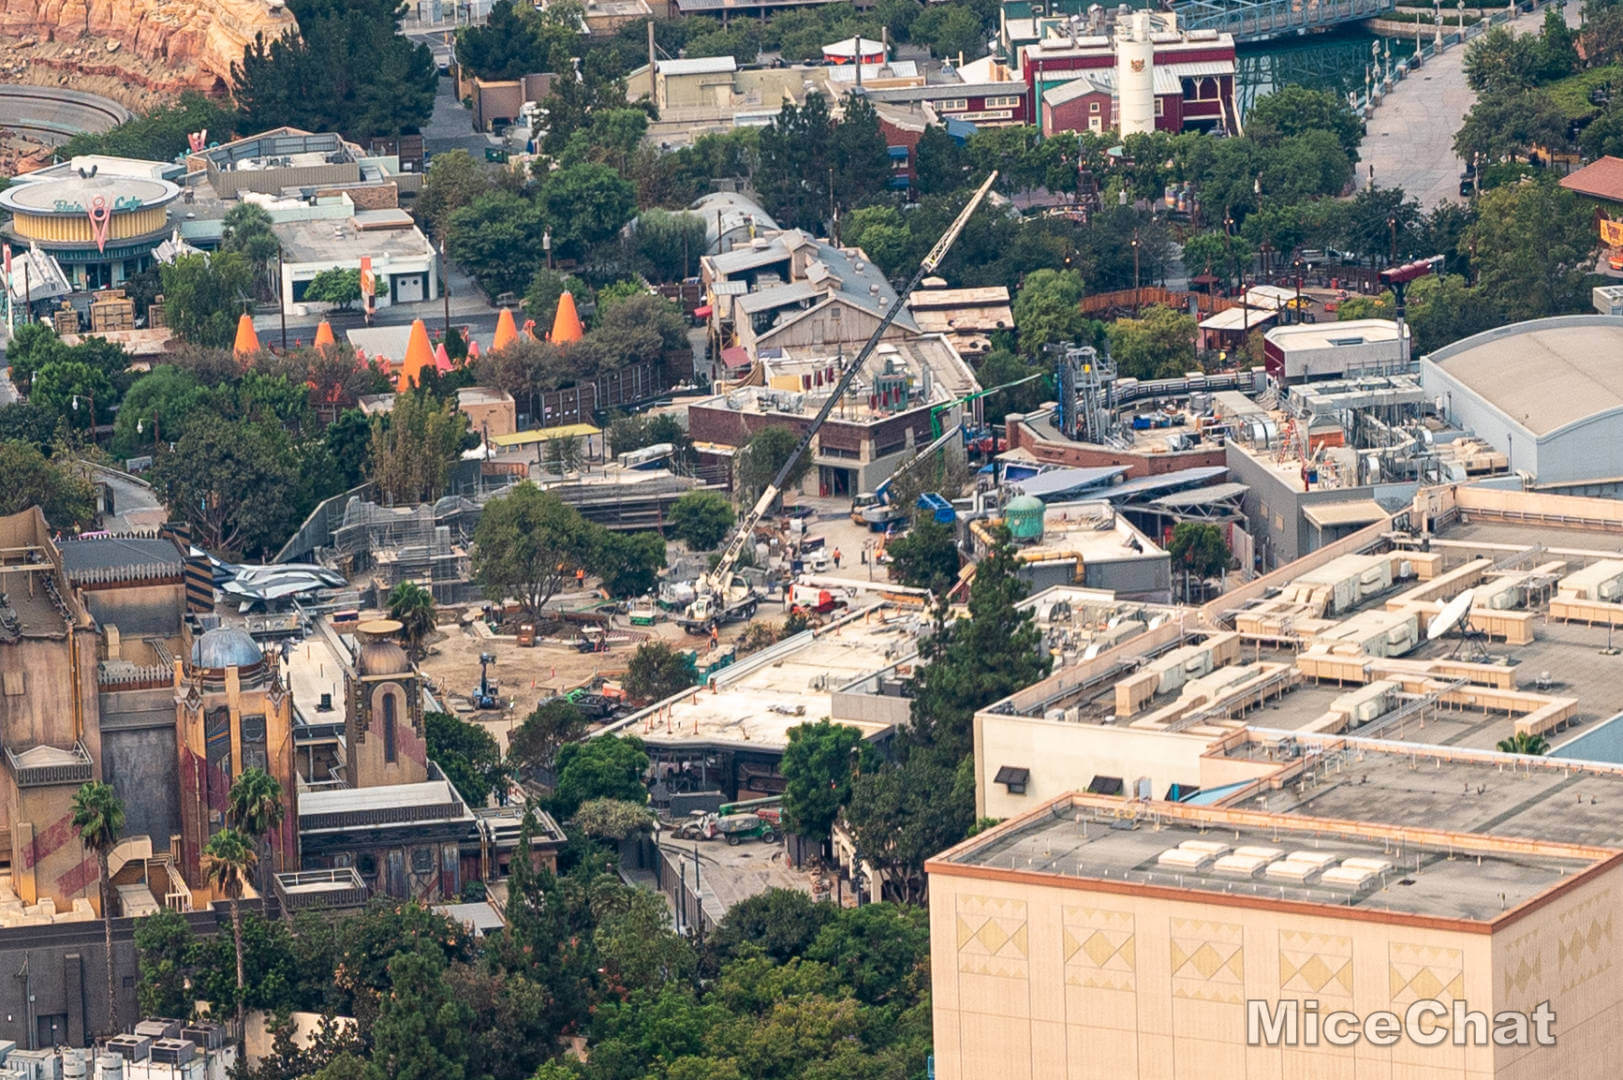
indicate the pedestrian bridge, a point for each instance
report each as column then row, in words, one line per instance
column 1262, row 20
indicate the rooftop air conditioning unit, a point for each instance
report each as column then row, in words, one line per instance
column 174, row 1051
column 207, row 1035
column 130, row 1047
column 159, row 1027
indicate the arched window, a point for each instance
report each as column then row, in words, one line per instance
column 389, row 710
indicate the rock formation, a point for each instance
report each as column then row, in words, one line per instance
column 158, row 45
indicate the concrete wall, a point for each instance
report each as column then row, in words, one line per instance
column 1089, row 981
column 139, row 611
column 139, row 759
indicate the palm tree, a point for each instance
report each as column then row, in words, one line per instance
column 99, row 816
column 413, row 607
column 1524, row 743
column 255, row 807
column 228, row 860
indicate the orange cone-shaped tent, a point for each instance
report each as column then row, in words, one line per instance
column 419, row 358
column 442, row 359
column 473, row 349
column 566, row 327
column 506, row 331
column 324, row 335
column 247, row 341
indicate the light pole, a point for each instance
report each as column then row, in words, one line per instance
column 1462, row 20
column 92, row 398
column 1135, row 273
column 1437, row 24
column 140, row 429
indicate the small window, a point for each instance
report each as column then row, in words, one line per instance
column 1014, row 778
column 14, row 683
column 1105, row 785
column 389, row 728
column 422, row 860
column 367, row 864
column 1160, row 107
column 1093, row 106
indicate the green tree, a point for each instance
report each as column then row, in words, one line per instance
column 1047, row 310
column 497, row 238
column 634, row 329
column 246, row 230
column 1296, row 110
column 761, row 458
column 422, row 1029
column 1523, row 742
column 628, row 564
column 60, row 489
column 162, row 401
column 510, row 45
column 164, row 945
column 412, row 606
column 454, row 180
column 608, row 767
column 817, row 767
column 372, row 81
column 782, row 923
column 467, row 755
column 528, row 542
column 1000, row 367
column 701, row 519
column 1502, row 61
column 1159, row 344
column 926, row 557
column 1532, row 245
column 413, row 450
column 230, row 479
column 656, row 671
column 67, row 388
column 1557, row 48
column 882, row 233
column 204, row 294
column 796, row 165
column 32, row 346
column 554, row 722
column 1511, row 124
column 907, row 813
column 160, row 134
column 612, row 819
column 585, row 204
column 878, row 951
column 337, row 286
column 98, row 818
column 228, row 862
column 670, row 244
column 1199, row 549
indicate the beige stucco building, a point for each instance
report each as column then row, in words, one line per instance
column 1092, row 939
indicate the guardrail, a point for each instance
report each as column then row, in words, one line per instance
column 81, row 771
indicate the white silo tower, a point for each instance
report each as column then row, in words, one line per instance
column 1135, row 75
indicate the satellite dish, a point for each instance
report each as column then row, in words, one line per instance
column 1452, row 615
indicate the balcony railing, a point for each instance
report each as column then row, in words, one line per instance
column 79, row 771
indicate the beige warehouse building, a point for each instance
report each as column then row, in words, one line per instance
column 1091, row 939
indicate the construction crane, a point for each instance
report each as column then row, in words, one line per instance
column 713, row 600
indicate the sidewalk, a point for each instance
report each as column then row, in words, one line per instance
column 1410, row 136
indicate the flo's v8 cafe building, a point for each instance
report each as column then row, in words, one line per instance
column 101, row 228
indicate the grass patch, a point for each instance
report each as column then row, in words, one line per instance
column 1571, row 95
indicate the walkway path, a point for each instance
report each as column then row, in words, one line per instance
column 1410, row 140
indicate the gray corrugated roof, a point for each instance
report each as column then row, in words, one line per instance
column 113, row 552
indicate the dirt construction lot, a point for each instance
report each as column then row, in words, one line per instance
column 526, row 675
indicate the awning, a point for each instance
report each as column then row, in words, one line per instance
column 537, row 435
column 1011, row 774
column 702, row 312
column 1333, row 515
column 735, row 358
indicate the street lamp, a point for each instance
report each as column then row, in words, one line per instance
column 92, row 398
column 140, row 429
column 1462, row 19
column 1437, row 24
column 1135, row 273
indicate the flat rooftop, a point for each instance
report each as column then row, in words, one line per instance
column 312, row 669
column 1432, row 787
column 342, row 240
column 1569, row 363
column 755, row 702
column 1414, row 873
column 388, row 805
column 1091, row 530
column 119, row 553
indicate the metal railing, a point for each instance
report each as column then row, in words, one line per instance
column 1275, row 18
column 339, row 887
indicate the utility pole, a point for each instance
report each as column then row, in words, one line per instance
column 281, row 295
column 1135, row 274
column 445, row 287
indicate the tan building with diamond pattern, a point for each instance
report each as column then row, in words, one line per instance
column 1100, row 938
